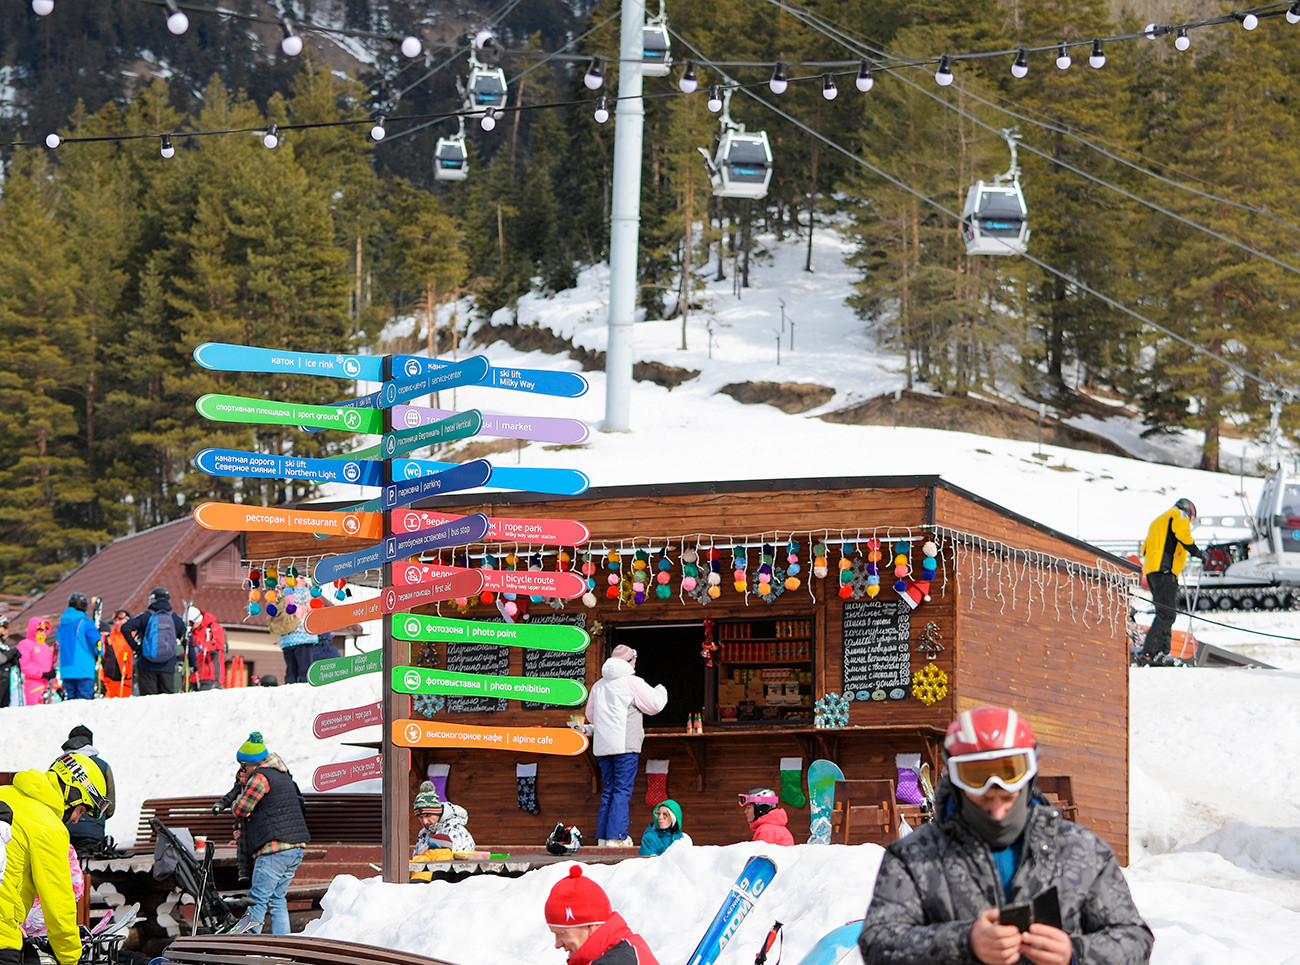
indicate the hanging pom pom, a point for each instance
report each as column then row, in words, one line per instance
column 254, row 609
column 588, row 599
column 846, row 591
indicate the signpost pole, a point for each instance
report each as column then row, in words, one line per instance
column 397, row 760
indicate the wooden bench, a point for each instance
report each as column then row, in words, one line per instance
column 864, row 813
column 292, row 949
column 1058, row 789
column 349, row 827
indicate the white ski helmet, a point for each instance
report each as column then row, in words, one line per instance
column 193, row 614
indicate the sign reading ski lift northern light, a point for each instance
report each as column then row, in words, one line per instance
column 414, row 532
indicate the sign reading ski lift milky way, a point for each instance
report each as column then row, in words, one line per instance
column 458, row 532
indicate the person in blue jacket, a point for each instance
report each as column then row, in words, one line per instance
column 665, row 829
column 78, row 649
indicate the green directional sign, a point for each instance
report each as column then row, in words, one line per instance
column 340, row 668
column 236, row 408
column 542, row 690
column 412, row 626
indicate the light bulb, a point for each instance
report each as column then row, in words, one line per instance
column 167, row 149
column 1097, row 59
column 714, row 103
column 411, row 46
column 489, row 120
column 1151, row 31
column 943, row 76
column 602, row 110
column 1063, row 60
column 690, row 81
column 865, row 79
column 271, row 139
column 292, row 43
column 780, row 81
column 594, row 78
column 1181, row 40
column 52, row 141
column 1293, row 13
column 42, row 8
column 377, row 132
column 829, row 90
column 178, row 23
column 1249, row 21
column 1020, row 66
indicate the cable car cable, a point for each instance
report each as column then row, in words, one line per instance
column 1076, row 170
column 1063, row 275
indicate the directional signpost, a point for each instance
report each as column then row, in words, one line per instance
column 399, row 533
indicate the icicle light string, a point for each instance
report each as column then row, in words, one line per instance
column 1063, row 275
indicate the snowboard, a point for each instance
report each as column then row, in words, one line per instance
column 836, row 945
column 822, row 776
column 116, row 922
column 741, row 898
column 241, row 927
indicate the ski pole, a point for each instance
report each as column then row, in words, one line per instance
column 208, row 851
column 768, row 942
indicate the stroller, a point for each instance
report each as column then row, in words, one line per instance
column 174, row 858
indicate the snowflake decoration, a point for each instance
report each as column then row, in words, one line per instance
column 929, row 684
column 831, row 711
column 428, row 704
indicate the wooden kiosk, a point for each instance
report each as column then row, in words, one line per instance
column 1015, row 614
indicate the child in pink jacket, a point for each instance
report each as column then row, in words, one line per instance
column 36, row 658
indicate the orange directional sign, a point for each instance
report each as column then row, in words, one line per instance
column 394, row 599
column 528, row 740
column 239, row 517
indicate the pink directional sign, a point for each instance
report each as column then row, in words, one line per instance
column 557, row 584
column 335, row 722
column 330, row 776
column 556, row 532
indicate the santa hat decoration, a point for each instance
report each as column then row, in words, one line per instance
column 916, row 593
column 576, row 900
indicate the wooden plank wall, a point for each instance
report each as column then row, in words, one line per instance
column 1070, row 680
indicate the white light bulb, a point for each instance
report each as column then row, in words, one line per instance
column 42, row 8
column 271, row 140
column 167, row 150
column 1250, row 21
column 377, row 132
column 178, row 23
column 1019, row 70
column 291, row 45
column 602, row 112
column 829, row 90
column 1293, row 14
column 489, row 120
column 780, row 82
column 864, row 82
column 1182, row 41
column 943, row 76
column 1063, row 60
column 714, row 103
column 52, row 141
column 411, row 47
column 594, row 78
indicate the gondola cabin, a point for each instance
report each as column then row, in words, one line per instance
column 995, row 220
column 451, row 158
column 742, row 166
column 485, row 87
column 655, row 48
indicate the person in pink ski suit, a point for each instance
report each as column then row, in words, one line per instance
column 37, row 660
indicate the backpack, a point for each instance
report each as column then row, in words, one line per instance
column 112, row 670
column 159, row 638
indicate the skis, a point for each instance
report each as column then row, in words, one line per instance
column 748, row 888
column 116, row 922
column 927, row 792
column 241, row 927
column 834, row 945
column 822, row 776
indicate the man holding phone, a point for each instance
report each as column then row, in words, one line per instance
column 999, row 876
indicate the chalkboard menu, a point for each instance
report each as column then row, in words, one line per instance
column 877, row 649
column 552, row 663
column 485, row 658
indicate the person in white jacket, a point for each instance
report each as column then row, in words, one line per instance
column 614, row 710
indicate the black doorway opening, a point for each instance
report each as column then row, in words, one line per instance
column 668, row 655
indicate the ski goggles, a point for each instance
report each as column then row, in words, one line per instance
column 1009, row 769
column 757, row 799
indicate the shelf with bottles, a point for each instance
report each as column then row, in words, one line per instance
column 765, row 651
column 754, row 630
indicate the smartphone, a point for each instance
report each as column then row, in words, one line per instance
column 1047, row 907
column 1021, row 915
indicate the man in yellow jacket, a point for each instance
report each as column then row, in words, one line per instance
column 36, row 857
column 1164, row 553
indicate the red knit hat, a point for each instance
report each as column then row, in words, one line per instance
column 576, row 900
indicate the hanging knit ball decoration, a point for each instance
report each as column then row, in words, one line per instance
column 588, row 568
column 485, row 597
column 846, row 574
column 715, row 591
column 819, row 567
column 714, row 579
column 690, row 556
column 901, row 570
column 254, row 609
column 612, row 579
column 929, row 684
column 900, row 585
column 663, row 591
column 315, row 591
column 930, row 548
column 271, row 609
column 588, row 599
column 846, row 591
column 664, row 564
column 316, row 603
column 873, row 590
column 290, row 608
column 689, row 583
column 928, row 566
column 791, row 582
column 511, row 608
column 254, row 595
column 271, row 596
column 831, row 710
column 611, row 592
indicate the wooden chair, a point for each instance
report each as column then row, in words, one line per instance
column 865, row 812
column 1058, row 789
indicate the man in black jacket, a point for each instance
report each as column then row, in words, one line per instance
column 156, row 673
column 88, row 835
column 276, row 828
column 999, row 877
